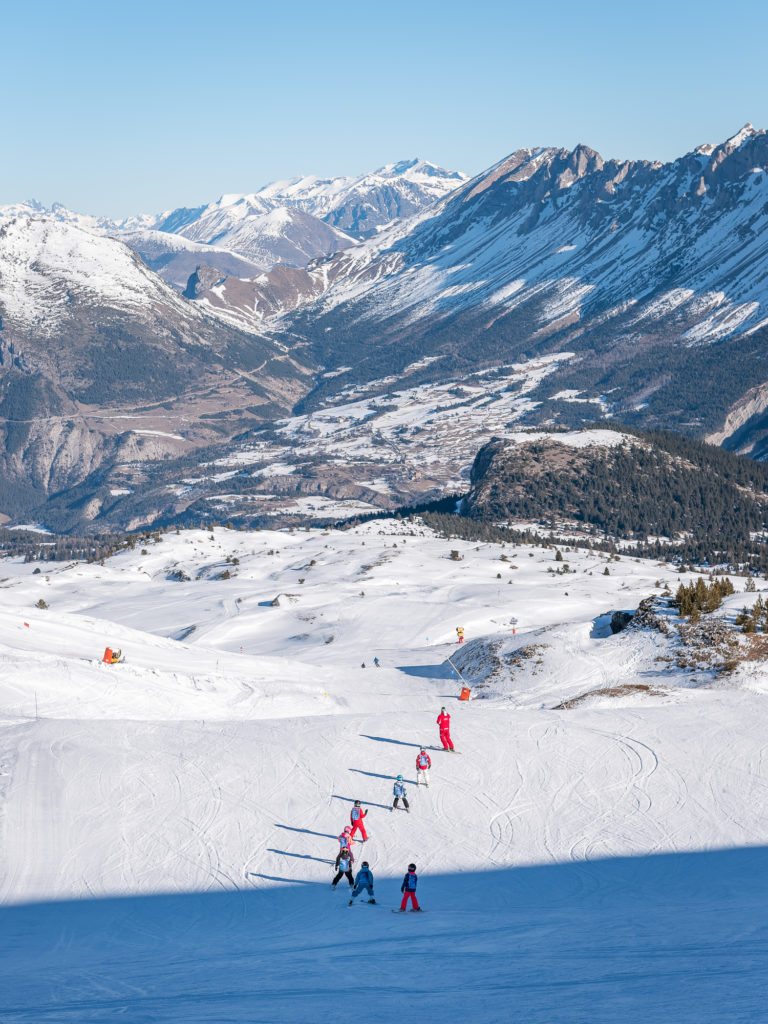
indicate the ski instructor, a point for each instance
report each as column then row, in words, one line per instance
column 444, row 721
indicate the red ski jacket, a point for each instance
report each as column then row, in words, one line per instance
column 444, row 721
column 420, row 758
column 356, row 813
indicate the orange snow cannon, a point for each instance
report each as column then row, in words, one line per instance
column 465, row 693
column 107, row 659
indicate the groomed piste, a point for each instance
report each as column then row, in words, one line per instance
column 169, row 823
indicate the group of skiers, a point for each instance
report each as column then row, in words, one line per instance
column 345, row 858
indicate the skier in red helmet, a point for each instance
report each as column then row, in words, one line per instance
column 423, row 764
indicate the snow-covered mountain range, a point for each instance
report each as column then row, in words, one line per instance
column 289, row 222
column 591, row 288
column 554, row 250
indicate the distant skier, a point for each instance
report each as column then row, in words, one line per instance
column 364, row 880
column 444, row 721
column 423, row 764
column 344, row 863
column 356, row 818
column 377, row 663
column 345, row 839
column 399, row 793
column 363, row 665
column 408, row 889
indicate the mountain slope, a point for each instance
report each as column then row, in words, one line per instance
column 93, row 346
column 711, row 505
column 633, row 266
column 170, row 822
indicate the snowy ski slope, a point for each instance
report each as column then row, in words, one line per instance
column 168, row 825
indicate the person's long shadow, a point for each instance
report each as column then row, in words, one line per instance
column 351, row 800
column 376, row 775
column 305, row 831
column 301, row 856
column 277, row 878
column 385, row 739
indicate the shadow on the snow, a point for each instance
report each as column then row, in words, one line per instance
column 301, row 856
column 673, row 937
column 441, row 671
column 387, row 739
column 306, row 831
column 601, row 627
column 376, row 775
column 277, row 878
column 366, row 803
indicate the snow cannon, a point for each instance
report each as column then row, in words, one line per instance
column 460, row 634
column 465, row 694
column 111, row 657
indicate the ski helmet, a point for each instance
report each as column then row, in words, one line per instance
column 348, row 828
column 411, row 867
column 399, row 778
column 357, row 803
column 365, row 864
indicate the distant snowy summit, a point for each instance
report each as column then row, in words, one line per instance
column 290, row 222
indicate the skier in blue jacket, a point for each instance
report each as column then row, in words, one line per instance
column 399, row 793
column 408, row 889
column 364, row 880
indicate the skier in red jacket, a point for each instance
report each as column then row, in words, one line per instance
column 423, row 764
column 444, row 721
column 356, row 818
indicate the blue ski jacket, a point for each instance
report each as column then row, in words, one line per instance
column 409, row 882
column 364, row 877
column 399, row 789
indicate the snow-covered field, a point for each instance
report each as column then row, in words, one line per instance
column 167, row 825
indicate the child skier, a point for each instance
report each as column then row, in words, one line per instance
column 345, row 839
column 364, row 880
column 356, row 817
column 444, row 721
column 399, row 793
column 408, row 889
column 344, row 863
column 423, row 764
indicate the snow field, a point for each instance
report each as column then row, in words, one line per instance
column 168, row 825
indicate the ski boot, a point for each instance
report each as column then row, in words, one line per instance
column 370, row 901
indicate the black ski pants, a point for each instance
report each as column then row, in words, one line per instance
column 338, row 878
column 405, row 801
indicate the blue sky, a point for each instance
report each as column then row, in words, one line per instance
column 121, row 108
